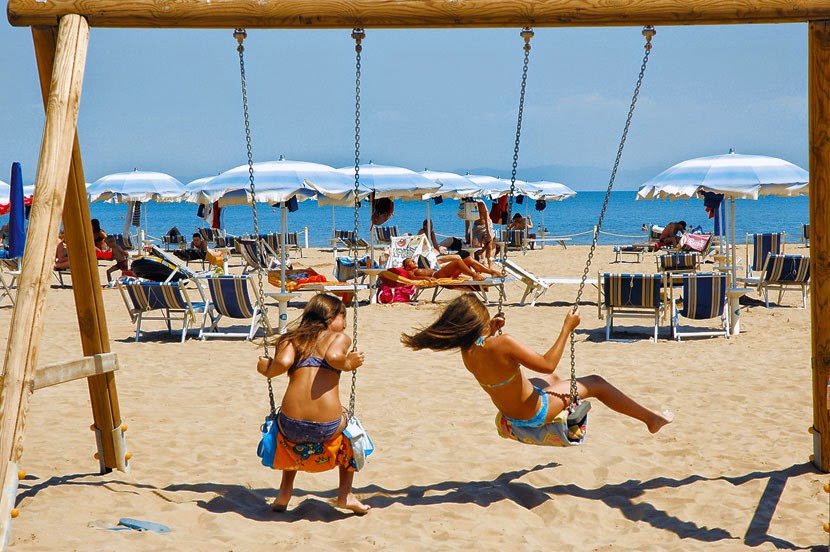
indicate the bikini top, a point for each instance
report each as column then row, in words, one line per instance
column 480, row 343
column 314, row 360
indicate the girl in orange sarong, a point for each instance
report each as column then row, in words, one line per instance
column 313, row 353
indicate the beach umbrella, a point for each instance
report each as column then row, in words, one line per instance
column 387, row 181
column 735, row 176
column 732, row 174
column 276, row 182
column 17, row 232
column 452, row 185
column 550, row 191
column 136, row 186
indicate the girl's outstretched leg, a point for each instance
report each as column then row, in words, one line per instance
column 613, row 398
column 345, row 498
column 286, row 488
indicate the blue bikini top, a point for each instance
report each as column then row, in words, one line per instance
column 316, row 361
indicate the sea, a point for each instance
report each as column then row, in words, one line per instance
column 574, row 217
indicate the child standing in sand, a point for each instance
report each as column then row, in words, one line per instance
column 313, row 353
column 495, row 361
column 120, row 255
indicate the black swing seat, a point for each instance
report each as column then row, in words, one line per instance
column 569, row 428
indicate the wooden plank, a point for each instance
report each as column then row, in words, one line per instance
column 61, row 372
column 38, row 262
column 89, row 301
column 322, row 14
column 819, row 105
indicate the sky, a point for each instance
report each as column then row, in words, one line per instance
column 446, row 99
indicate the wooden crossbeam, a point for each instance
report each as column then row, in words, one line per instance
column 285, row 14
column 61, row 372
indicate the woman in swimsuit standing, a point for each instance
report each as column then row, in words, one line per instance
column 495, row 361
column 313, row 353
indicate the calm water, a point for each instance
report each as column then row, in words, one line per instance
column 576, row 217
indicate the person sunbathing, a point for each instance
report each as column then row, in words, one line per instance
column 451, row 268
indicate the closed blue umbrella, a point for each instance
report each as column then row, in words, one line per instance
column 17, row 233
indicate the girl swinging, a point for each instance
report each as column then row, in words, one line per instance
column 495, row 361
column 311, row 419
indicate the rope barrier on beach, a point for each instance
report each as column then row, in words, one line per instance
column 620, row 235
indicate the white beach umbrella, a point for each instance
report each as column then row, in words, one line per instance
column 391, row 182
column 452, row 185
column 552, row 191
column 136, row 186
column 734, row 176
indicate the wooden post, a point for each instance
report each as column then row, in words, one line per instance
column 86, row 283
column 39, row 258
column 320, row 14
column 819, row 105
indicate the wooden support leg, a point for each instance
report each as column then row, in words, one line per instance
column 86, row 280
column 819, row 116
column 39, row 259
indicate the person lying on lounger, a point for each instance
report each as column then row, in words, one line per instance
column 452, row 266
column 496, row 361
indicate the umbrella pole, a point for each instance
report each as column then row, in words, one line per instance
column 283, row 305
column 735, row 293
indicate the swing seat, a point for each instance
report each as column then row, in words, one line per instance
column 566, row 430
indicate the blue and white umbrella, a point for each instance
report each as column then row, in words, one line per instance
column 137, row 185
column 391, row 182
column 275, row 182
column 733, row 175
column 552, row 191
column 452, row 185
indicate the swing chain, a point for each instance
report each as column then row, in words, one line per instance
column 648, row 32
column 358, row 35
column 526, row 34
column 241, row 35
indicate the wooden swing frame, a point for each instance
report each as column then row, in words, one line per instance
column 60, row 32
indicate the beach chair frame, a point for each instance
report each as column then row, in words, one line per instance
column 168, row 302
column 9, row 273
column 761, row 246
column 703, row 297
column 631, row 296
column 229, row 297
column 258, row 255
column 785, row 272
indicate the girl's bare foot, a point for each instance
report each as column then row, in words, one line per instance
column 478, row 277
column 659, row 420
column 353, row 504
column 280, row 503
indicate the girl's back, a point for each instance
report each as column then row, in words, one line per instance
column 313, row 384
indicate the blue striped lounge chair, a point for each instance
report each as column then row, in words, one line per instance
column 229, row 298
column 631, row 296
column 762, row 245
column 677, row 263
column 258, row 255
column 782, row 272
column 9, row 273
column 384, row 234
column 703, row 298
column 160, row 301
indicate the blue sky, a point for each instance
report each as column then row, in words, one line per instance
column 170, row 100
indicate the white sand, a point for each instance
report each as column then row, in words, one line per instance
column 730, row 473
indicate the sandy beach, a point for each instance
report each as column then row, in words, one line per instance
column 731, row 473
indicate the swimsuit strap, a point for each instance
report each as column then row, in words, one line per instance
column 499, row 384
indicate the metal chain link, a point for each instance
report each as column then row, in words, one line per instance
column 526, row 34
column 648, row 32
column 358, row 35
column 240, row 35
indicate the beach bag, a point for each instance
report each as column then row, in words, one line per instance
column 467, row 210
column 362, row 445
column 267, row 447
column 399, row 294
